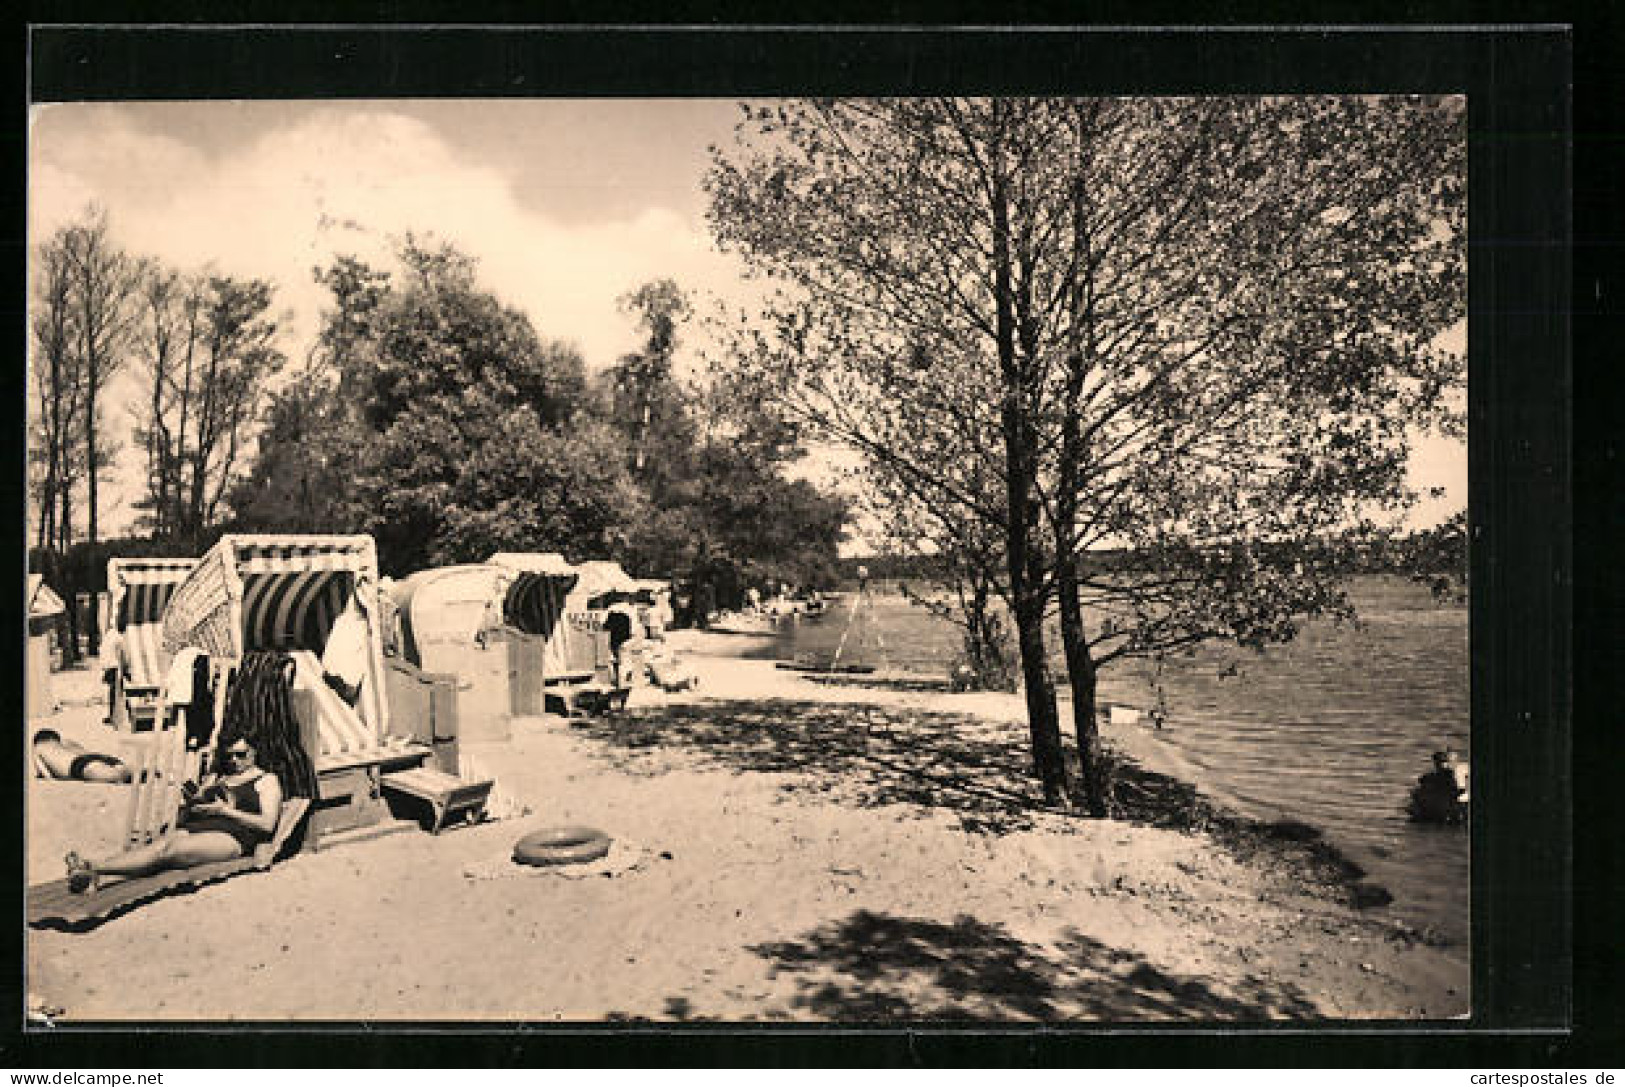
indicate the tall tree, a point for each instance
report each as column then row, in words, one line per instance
column 645, row 398
column 1195, row 331
column 908, row 231
column 168, row 334
column 209, row 347
column 58, row 387
column 1254, row 295
column 103, row 281
column 436, row 418
column 303, row 476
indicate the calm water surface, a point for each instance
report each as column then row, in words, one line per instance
column 1331, row 729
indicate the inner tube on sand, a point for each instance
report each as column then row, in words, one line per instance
column 561, row 845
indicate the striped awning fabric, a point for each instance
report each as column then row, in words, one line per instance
column 341, row 730
column 143, row 588
column 298, row 554
column 292, row 587
column 542, row 591
column 292, row 609
column 534, row 603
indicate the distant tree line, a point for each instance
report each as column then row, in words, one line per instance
column 427, row 413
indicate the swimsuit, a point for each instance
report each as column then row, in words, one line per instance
column 76, row 769
column 243, row 797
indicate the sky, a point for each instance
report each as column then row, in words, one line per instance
column 566, row 204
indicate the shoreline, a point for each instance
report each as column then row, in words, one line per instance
column 1161, row 792
column 792, row 850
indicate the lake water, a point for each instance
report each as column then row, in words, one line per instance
column 1331, row 729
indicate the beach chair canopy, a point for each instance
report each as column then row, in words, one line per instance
column 537, row 586
column 139, row 591
column 443, row 607
column 287, row 593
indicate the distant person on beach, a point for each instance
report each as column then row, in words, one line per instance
column 224, row 817
column 1441, row 795
column 115, row 665
column 619, row 624
column 659, row 616
column 65, row 760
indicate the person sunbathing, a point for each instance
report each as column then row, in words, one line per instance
column 225, row 817
column 671, row 675
column 65, row 760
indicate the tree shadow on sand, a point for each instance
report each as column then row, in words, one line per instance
column 869, row 756
column 865, row 755
column 873, row 966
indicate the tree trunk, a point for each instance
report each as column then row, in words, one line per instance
column 71, row 654
column 1080, row 663
column 1043, row 720
column 1080, row 667
column 93, row 641
column 1020, row 451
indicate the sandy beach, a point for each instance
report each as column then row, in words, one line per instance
column 787, row 848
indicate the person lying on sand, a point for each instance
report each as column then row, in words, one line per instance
column 671, row 675
column 223, row 818
column 64, row 760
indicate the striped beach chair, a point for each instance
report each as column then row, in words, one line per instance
column 286, row 593
column 139, row 591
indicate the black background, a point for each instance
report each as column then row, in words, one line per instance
column 1545, row 993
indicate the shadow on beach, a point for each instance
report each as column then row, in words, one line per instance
column 863, row 755
column 871, row 756
column 877, row 966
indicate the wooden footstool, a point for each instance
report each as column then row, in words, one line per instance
column 593, row 699
column 449, row 796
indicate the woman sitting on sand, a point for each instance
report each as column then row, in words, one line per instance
column 224, row 818
column 237, row 808
column 65, row 760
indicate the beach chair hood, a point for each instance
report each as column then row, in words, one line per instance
column 446, row 608
column 139, row 591
column 286, row 593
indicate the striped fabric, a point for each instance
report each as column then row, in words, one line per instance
column 292, row 610
column 142, row 589
column 342, row 735
column 539, row 600
column 535, row 605
column 535, row 602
